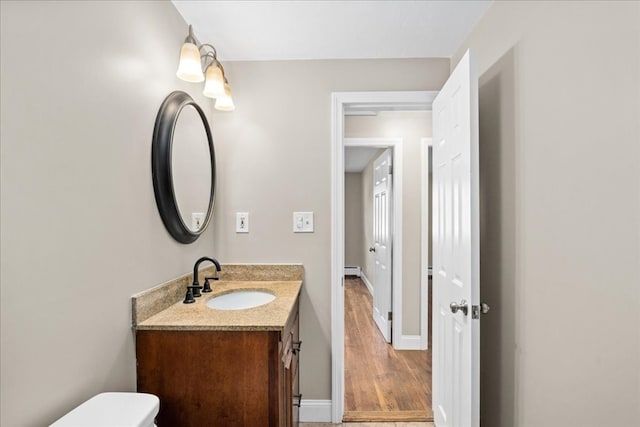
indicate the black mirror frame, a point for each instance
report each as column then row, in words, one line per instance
column 161, row 168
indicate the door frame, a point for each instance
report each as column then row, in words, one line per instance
column 340, row 100
column 396, row 228
column 425, row 214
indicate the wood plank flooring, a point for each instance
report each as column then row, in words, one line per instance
column 372, row 424
column 381, row 384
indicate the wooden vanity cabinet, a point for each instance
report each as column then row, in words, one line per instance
column 291, row 354
column 222, row 378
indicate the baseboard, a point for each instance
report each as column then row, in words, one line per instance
column 352, row 271
column 315, row 411
column 409, row 342
column 367, row 283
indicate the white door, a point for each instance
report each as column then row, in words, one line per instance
column 456, row 270
column 382, row 243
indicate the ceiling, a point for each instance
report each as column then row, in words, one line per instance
column 357, row 158
column 290, row 30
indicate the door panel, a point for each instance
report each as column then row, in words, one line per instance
column 456, row 353
column 382, row 189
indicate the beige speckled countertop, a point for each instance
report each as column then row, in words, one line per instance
column 197, row 316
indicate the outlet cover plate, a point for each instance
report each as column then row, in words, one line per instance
column 242, row 222
column 303, row 222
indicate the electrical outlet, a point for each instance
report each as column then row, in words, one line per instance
column 303, row 222
column 197, row 220
column 242, row 222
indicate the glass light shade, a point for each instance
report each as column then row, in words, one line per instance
column 189, row 68
column 214, row 86
column 224, row 102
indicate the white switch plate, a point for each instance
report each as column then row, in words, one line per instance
column 197, row 219
column 242, row 222
column 303, row 222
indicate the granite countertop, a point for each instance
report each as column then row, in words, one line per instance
column 197, row 316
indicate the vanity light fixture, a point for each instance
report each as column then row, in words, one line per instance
column 199, row 62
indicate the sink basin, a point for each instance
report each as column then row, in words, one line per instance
column 240, row 300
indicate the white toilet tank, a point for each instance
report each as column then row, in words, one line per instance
column 113, row 410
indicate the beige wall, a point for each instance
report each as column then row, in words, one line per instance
column 275, row 158
column 81, row 84
column 560, row 165
column 411, row 127
column 353, row 215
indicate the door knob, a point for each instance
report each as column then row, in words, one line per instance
column 463, row 307
column 372, row 249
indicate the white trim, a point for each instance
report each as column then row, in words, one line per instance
column 425, row 212
column 337, row 257
column 409, row 342
column 315, row 411
column 421, row 100
column 396, row 228
column 338, row 102
column 367, row 283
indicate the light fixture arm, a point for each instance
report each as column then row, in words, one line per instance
column 210, row 46
column 191, row 38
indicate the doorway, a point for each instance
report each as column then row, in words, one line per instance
column 382, row 101
column 374, row 225
column 385, row 379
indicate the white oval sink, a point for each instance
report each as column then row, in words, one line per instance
column 240, row 300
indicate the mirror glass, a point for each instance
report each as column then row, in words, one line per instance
column 191, row 168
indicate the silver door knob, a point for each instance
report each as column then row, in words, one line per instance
column 463, row 307
column 372, row 249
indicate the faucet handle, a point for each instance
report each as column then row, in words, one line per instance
column 189, row 297
column 207, row 286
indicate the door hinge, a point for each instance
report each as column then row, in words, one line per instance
column 390, row 169
column 389, row 316
column 476, row 310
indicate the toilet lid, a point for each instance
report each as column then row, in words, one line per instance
column 113, row 410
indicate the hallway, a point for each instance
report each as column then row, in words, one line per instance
column 381, row 384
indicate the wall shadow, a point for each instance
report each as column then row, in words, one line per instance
column 498, row 112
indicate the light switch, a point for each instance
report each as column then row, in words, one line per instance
column 303, row 222
column 242, row 222
column 197, row 219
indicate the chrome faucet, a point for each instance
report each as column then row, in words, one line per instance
column 193, row 291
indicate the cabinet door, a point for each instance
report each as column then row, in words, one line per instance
column 290, row 357
column 208, row 378
column 288, row 364
column 295, row 369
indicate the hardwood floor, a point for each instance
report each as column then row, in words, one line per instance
column 381, row 384
column 374, row 424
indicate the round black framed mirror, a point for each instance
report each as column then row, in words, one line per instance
column 183, row 167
